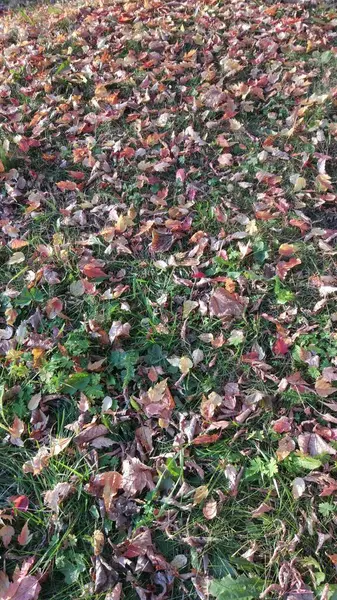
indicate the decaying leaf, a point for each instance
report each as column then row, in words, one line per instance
column 24, row 536
column 298, row 487
column 261, row 510
column 224, row 304
column 210, row 510
column 98, row 541
column 158, row 402
column 119, row 329
column 60, row 492
column 23, row 586
column 136, row 476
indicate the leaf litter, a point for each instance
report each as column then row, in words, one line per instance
column 168, row 331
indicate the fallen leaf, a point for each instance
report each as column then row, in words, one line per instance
column 298, row 487
column 6, row 534
column 188, row 307
column 261, row 510
column 16, row 258
column 224, row 304
column 158, row 402
column 24, row 536
column 20, row 503
column 93, row 271
column 23, row 586
column 98, row 541
column 67, row 186
column 119, row 329
column 136, row 476
column 16, row 430
column 283, row 267
column 225, row 160
column 285, row 447
column 34, row 401
column 200, row 494
column 54, row 307
column 210, row 510
column 54, row 497
column 90, row 433
column 113, row 482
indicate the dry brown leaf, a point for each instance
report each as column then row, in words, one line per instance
column 210, row 510
column 223, row 304
column 136, row 476
column 98, row 541
column 200, row 493
column 54, row 307
column 261, row 510
column 113, row 481
column 60, row 492
column 89, row 433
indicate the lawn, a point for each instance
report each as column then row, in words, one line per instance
column 168, row 324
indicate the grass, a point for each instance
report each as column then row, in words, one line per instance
column 134, row 103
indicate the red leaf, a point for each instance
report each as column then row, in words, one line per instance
column 23, row 537
column 280, row 347
column 206, row 438
column 283, row 266
column 20, row 502
column 54, row 307
column 93, row 272
column 67, row 186
column 282, row 425
column 302, row 225
column 181, row 175
column 79, row 175
column 26, row 144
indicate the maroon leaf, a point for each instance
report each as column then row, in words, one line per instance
column 224, row 304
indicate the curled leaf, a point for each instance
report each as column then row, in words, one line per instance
column 298, row 487
column 210, row 510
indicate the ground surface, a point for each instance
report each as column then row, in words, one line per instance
column 168, row 328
